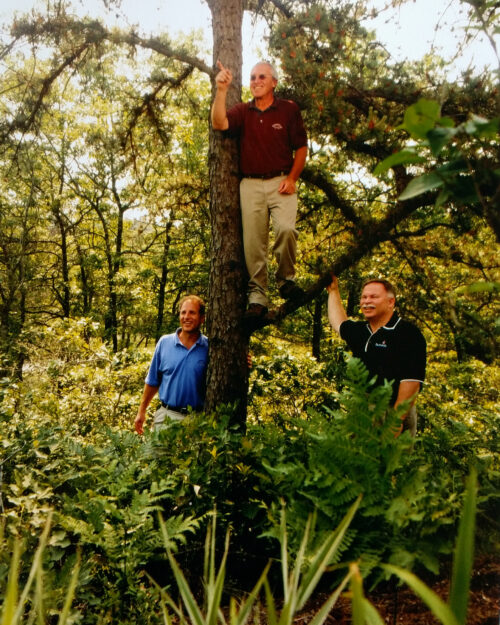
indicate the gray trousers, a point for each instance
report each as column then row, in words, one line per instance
column 163, row 417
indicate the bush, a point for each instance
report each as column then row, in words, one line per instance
column 317, row 455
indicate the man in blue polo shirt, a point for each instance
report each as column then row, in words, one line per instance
column 178, row 368
column 391, row 348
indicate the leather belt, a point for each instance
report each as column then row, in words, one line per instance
column 175, row 408
column 268, row 176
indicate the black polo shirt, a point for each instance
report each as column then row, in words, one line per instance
column 396, row 351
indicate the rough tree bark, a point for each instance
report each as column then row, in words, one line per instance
column 227, row 378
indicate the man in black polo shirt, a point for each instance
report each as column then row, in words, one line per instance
column 273, row 150
column 391, row 348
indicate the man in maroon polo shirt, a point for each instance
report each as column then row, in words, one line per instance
column 273, row 150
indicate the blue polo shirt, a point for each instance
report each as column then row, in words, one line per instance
column 179, row 372
column 395, row 352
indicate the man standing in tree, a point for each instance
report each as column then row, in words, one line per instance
column 273, row 150
column 391, row 348
column 178, row 367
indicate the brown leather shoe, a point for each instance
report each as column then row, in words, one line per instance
column 291, row 291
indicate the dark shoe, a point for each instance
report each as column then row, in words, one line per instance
column 255, row 311
column 291, row 291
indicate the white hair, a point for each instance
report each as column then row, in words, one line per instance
column 274, row 73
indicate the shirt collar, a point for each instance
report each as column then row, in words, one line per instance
column 393, row 322
column 390, row 325
column 273, row 105
column 178, row 341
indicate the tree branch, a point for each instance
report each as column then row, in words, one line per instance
column 371, row 234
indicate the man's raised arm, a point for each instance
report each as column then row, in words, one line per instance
column 336, row 311
column 218, row 114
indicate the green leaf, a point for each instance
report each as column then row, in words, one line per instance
column 447, row 122
column 485, row 128
column 439, row 608
column 372, row 617
column 70, row 593
column 36, row 563
column 363, row 612
column 246, row 607
column 439, row 137
column 323, row 613
column 442, row 197
column 422, row 184
column 455, row 166
column 421, row 117
column 216, row 587
column 188, row 599
column 272, row 617
column 10, row 600
column 479, row 287
column 464, row 553
column 404, row 156
column 357, row 596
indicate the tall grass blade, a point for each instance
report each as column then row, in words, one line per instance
column 292, row 599
column 363, row 612
column 38, row 599
column 165, row 613
column 284, row 552
column 188, row 599
column 70, row 592
column 357, row 596
column 37, row 562
column 209, row 556
column 272, row 617
column 240, row 617
column 438, row 607
column 464, row 552
column 216, row 584
column 372, row 617
column 10, row 600
column 324, row 556
column 166, row 600
column 323, row 613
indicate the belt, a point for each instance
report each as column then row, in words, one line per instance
column 178, row 409
column 271, row 174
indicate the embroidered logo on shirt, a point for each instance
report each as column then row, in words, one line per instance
column 277, row 127
column 383, row 344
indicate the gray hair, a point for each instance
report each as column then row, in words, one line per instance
column 274, row 72
column 388, row 286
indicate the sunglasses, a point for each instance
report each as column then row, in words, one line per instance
column 260, row 76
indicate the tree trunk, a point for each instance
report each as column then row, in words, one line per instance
column 317, row 327
column 64, row 295
column 227, row 378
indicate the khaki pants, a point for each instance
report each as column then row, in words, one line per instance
column 163, row 417
column 260, row 200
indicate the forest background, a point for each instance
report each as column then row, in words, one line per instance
column 116, row 199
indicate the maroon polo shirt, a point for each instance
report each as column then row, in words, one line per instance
column 268, row 139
